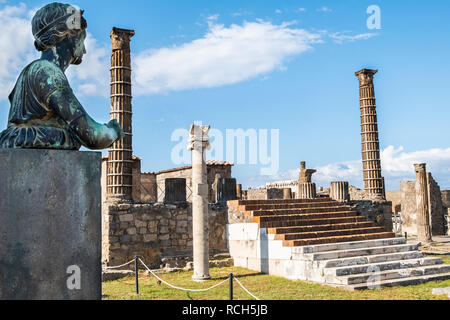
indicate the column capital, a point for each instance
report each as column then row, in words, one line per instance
column 121, row 38
column 421, row 167
column 199, row 137
column 365, row 76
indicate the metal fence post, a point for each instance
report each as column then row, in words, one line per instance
column 136, row 271
column 231, row 286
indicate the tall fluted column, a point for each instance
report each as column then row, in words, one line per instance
column 199, row 142
column 119, row 173
column 370, row 145
column 423, row 214
column 339, row 191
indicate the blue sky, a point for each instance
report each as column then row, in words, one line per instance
column 286, row 65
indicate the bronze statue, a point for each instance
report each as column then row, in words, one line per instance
column 44, row 113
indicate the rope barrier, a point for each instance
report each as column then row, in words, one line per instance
column 245, row 289
column 122, row 265
column 183, row 289
column 179, row 288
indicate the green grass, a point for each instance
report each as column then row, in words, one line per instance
column 263, row 286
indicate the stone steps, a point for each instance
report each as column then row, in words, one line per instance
column 283, row 212
column 324, row 241
column 278, row 223
column 288, row 206
column 393, row 274
column 328, row 233
column 401, row 281
column 337, row 239
column 369, row 244
column 361, row 260
column 321, row 227
column 367, row 252
column 307, row 216
column 279, row 201
column 382, row 266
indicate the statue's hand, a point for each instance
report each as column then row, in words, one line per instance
column 115, row 127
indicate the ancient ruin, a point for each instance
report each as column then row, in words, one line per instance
column 199, row 143
column 370, row 144
column 119, row 173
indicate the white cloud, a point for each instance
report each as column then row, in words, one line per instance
column 16, row 45
column 225, row 55
column 397, row 165
column 278, row 11
column 324, row 9
column 301, row 9
column 340, row 37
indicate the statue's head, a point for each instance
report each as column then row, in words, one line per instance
column 59, row 24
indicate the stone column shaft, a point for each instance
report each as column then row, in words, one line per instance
column 120, row 162
column 370, row 145
column 339, row 191
column 199, row 142
column 423, row 218
column 287, row 193
column 239, row 191
column 306, row 190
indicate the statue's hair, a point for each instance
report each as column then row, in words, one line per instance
column 50, row 24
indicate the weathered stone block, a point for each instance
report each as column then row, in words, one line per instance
column 50, row 224
column 150, row 237
column 126, row 218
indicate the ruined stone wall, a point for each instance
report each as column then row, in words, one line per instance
column 437, row 200
column 436, row 207
column 445, row 196
column 153, row 231
column 396, row 198
column 358, row 194
column 379, row 212
column 409, row 206
column 264, row 194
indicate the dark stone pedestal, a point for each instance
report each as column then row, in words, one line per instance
column 50, row 225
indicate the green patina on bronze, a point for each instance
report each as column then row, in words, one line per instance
column 45, row 113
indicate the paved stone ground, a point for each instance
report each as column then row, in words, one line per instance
column 440, row 245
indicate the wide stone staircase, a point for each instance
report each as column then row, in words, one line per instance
column 324, row 241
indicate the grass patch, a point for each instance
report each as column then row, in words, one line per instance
column 263, row 286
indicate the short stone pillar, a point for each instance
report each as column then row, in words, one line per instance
column 423, row 214
column 447, row 219
column 226, row 190
column 199, row 142
column 50, row 225
column 339, row 191
column 306, row 190
column 287, row 193
column 175, row 190
column 239, row 191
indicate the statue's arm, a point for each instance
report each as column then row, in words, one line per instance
column 92, row 134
